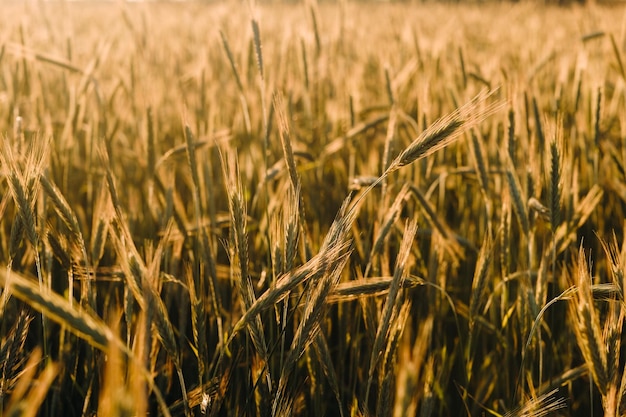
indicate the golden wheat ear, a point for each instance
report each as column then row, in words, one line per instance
column 448, row 129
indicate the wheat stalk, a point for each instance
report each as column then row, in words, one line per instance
column 239, row 232
column 391, row 216
column 392, row 303
column 309, row 325
column 389, row 366
column 479, row 281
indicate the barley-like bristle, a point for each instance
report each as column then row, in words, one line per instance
column 541, row 406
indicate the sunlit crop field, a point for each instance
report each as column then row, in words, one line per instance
column 319, row 210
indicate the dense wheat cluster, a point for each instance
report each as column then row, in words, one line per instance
column 317, row 210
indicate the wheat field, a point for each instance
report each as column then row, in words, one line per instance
column 334, row 209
